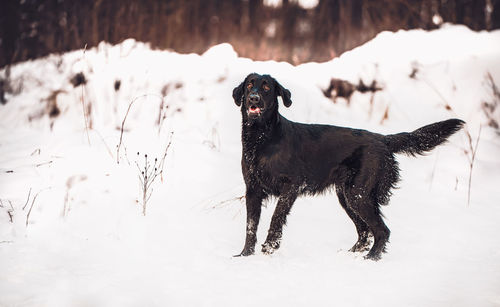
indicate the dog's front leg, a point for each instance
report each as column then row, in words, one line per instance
column 285, row 203
column 254, row 204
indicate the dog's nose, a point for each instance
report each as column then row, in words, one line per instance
column 254, row 98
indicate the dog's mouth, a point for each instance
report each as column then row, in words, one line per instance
column 254, row 110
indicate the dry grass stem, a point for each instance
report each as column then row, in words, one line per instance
column 149, row 172
column 31, row 207
column 27, row 200
column 471, row 155
column 125, row 119
column 85, row 115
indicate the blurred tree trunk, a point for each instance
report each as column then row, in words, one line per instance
column 326, row 27
column 10, row 23
column 495, row 14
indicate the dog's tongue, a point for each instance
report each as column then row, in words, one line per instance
column 254, row 110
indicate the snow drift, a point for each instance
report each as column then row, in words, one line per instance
column 72, row 232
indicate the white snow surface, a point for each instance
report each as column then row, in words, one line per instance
column 86, row 242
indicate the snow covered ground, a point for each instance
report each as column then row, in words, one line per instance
column 72, row 232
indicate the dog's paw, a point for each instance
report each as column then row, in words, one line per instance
column 360, row 247
column 363, row 244
column 269, row 248
column 246, row 252
column 373, row 256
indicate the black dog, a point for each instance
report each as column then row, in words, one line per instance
column 287, row 159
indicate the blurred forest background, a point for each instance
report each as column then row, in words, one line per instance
column 280, row 30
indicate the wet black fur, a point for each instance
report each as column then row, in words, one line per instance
column 286, row 159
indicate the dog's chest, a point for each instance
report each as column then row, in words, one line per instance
column 266, row 169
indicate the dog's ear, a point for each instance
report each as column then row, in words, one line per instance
column 284, row 93
column 238, row 93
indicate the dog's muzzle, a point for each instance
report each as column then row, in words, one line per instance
column 254, row 109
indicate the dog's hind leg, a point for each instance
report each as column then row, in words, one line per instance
column 372, row 217
column 367, row 209
column 285, row 203
column 362, row 228
column 254, row 205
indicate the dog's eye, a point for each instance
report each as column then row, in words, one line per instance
column 249, row 86
column 266, row 87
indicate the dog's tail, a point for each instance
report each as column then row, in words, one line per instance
column 423, row 139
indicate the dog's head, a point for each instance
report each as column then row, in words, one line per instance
column 258, row 95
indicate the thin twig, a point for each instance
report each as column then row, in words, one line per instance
column 446, row 104
column 160, row 117
column 105, row 144
column 121, row 131
column 494, row 88
column 123, row 123
column 32, row 203
column 126, row 154
column 29, row 212
column 27, row 200
column 9, row 212
column 227, row 201
column 162, row 161
column 472, row 159
column 433, row 170
column 85, row 117
column 44, row 163
column 66, row 202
